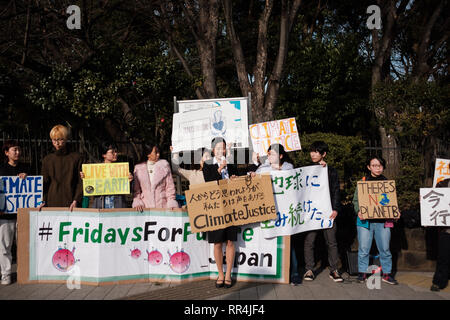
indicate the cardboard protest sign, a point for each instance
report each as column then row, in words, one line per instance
column 220, row 204
column 378, row 199
column 199, row 121
column 302, row 197
column 18, row 193
column 106, row 179
column 282, row 131
column 441, row 171
column 120, row 246
column 435, row 207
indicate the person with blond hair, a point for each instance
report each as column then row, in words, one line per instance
column 60, row 170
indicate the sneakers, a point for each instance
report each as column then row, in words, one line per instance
column 389, row 279
column 309, row 276
column 6, row 280
column 335, row 276
column 362, row 277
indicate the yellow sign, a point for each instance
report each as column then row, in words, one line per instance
column 106, row 179
column 282, row 131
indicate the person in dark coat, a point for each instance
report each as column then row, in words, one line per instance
column 442, row 272
column 63, row 186
column 109, row 154
column 318, row 151
column 11, row 167
column 215, row 169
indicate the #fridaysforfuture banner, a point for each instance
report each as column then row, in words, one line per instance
column 282, row 131
column 18, row 193
column 302, row 198
column 378, row 199
column 125, row 246
column 435, row 207
column 106, row 179
column 200, row 121
column 219, row 204
column 441, row 171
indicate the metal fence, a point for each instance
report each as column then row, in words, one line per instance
column 36, row 147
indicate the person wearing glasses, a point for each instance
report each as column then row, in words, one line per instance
column 63, row 186
column 109, row 154
column 379, row 229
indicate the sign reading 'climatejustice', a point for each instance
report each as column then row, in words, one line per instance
column 217, row 205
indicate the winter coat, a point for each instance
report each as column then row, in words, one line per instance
column 61, row 175
column 157, row 194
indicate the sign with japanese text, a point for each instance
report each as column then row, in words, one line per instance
column 220, row 204
column 282, row 131
column 435, row 207
column 302, row 198
column 18, row 193
column 441, row 171
column 378, row 199
column 198, row 122
column 125, row 246
column 106, row 179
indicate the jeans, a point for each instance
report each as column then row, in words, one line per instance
column 330, row 239
column 441, row 274
column 382, row 238
column 294, row 261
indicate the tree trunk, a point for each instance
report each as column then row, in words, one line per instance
column 264, row 88
column 380, row 73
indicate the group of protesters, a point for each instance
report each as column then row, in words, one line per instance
column 153, row 187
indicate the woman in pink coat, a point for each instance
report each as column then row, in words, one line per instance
column 153, row 183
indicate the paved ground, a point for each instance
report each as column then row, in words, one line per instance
column 413, row 286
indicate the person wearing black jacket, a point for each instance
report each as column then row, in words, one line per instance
column 11, row 167
column 215, row 169
column 318, row 151
column 442, row 272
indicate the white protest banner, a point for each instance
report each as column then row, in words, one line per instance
column 441, row 171
column 125, row 246
column 435, row 207
column 282, row 131
column 303, row 202
column 199, row 121
column 18, row 193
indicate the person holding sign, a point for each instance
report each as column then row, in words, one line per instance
column 153, row 182
column 60, row 170
column 442, row 272
column 12, row 167
column 195, row 175
column 217, row 169
column 318, row 151
column 278, row 159
column 109, row 155
column 368, row 229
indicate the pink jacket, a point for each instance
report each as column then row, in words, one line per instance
column 160, row 194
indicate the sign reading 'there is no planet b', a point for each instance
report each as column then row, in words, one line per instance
column 106, row 179
column 378, row 199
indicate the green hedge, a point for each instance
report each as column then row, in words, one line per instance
column 346, row 153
